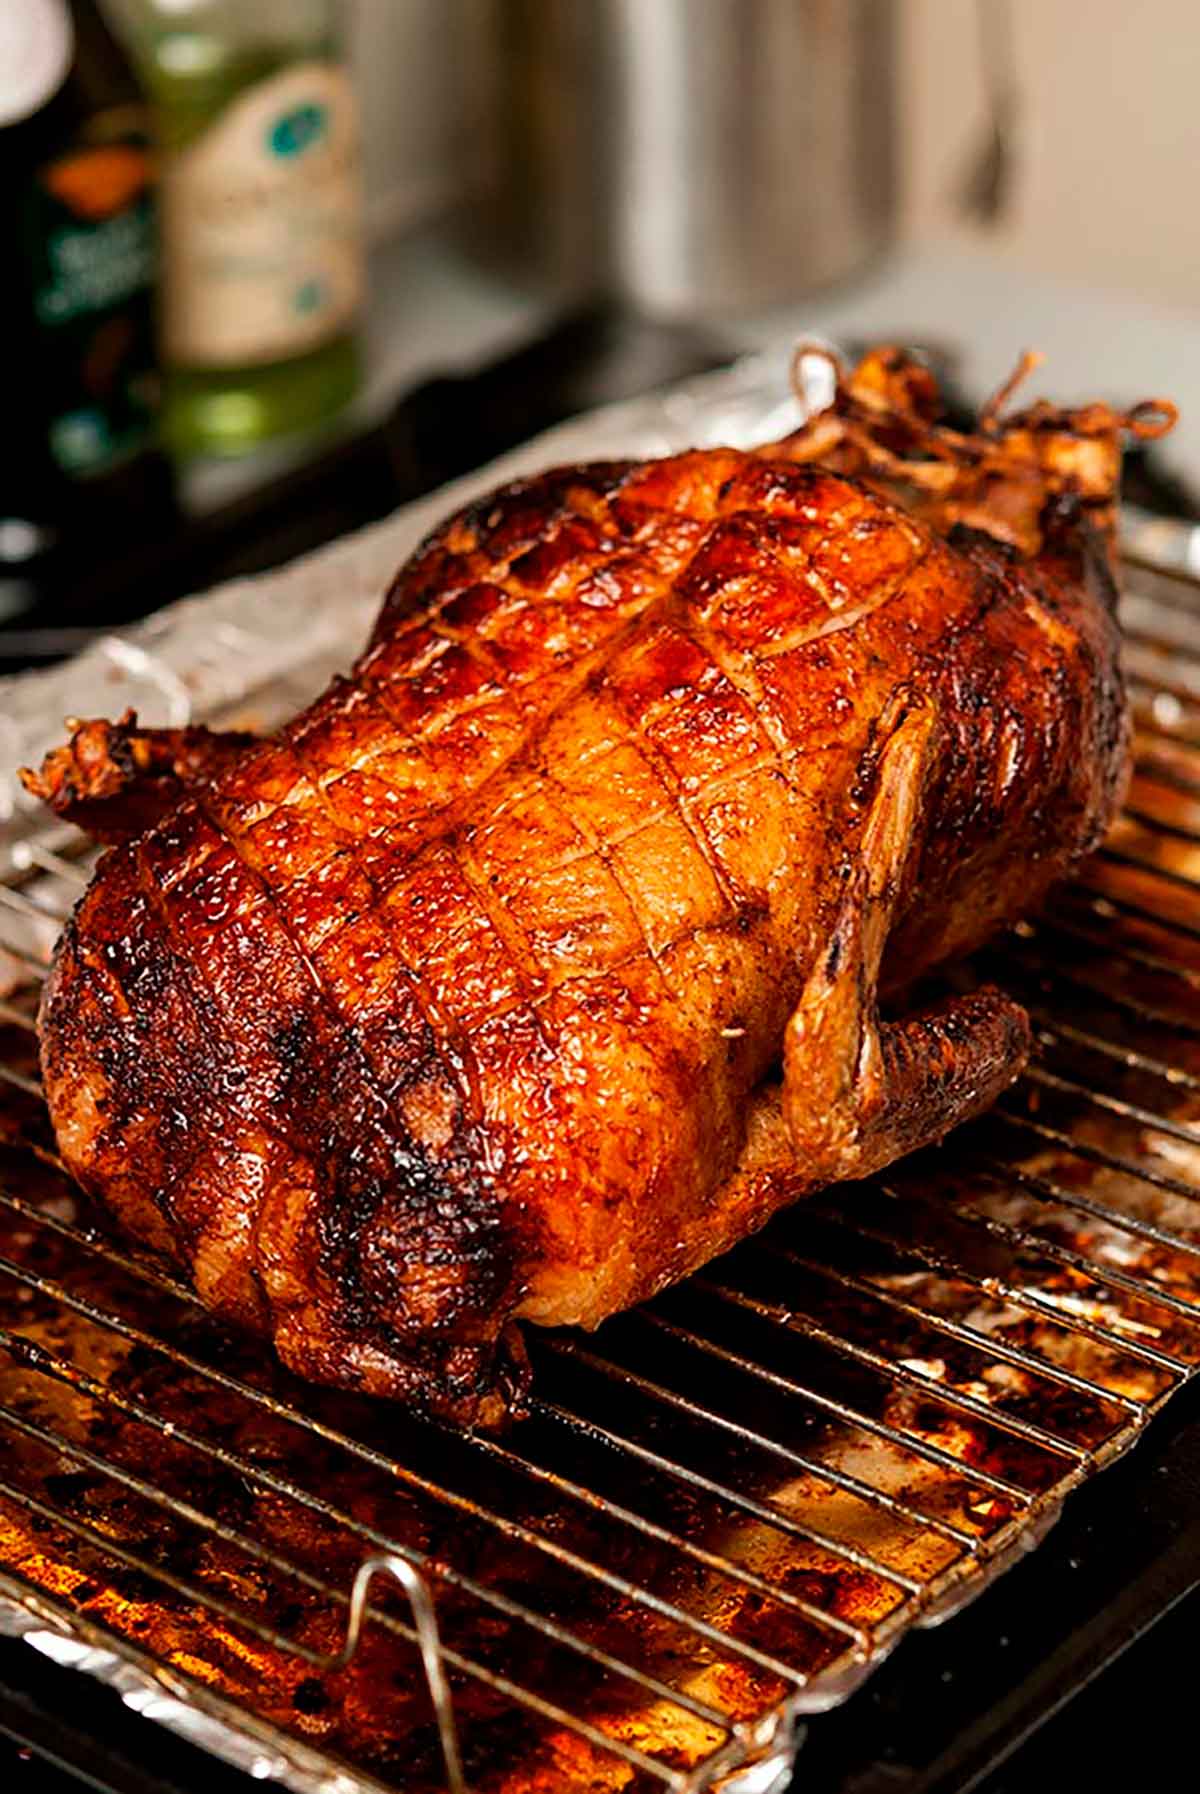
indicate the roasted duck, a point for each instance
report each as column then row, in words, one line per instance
column 542, row 958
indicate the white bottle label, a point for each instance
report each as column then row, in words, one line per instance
column 36, row 43
column 262, row 224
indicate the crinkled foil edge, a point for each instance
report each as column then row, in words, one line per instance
column 154, row 1691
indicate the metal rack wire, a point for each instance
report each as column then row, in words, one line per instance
column 726, row 1507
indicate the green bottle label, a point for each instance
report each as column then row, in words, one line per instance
column 91, row 244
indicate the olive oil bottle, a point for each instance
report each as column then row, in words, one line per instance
column 257, row 129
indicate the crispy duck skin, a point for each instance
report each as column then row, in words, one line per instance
column 540, row 959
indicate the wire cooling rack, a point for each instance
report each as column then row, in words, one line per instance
column 726, row 1507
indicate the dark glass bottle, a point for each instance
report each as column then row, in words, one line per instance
column 77, row 211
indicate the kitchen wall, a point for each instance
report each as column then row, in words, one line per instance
column 1108, row 143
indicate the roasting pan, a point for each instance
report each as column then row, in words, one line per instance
column 727, row 1508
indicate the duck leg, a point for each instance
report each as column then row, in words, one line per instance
column 858, row 1091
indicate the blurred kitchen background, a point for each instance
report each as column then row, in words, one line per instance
column 1105, row 132
column 562, row 202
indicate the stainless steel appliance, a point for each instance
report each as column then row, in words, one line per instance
column 690, row 156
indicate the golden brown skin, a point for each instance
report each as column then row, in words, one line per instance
column 463, row 999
